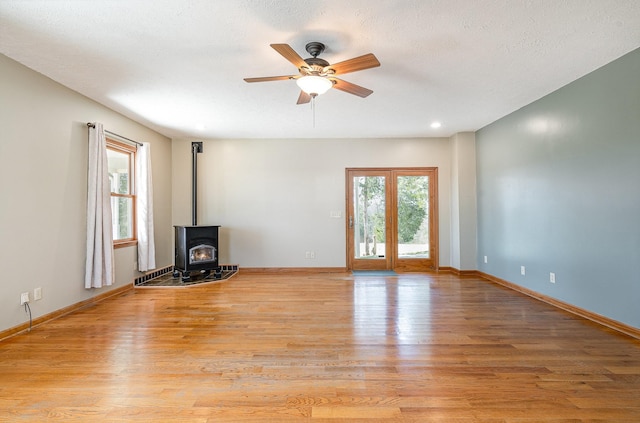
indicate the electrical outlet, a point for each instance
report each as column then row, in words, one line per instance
column 307, row 255
column 522, row 270
column 313, row 254
column 485, row 259
column 37, row 294
column 24, row 298
column 552, row 277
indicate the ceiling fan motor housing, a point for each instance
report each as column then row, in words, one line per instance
column 315, row 62
column 316, row 65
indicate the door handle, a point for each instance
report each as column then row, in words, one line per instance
column 350, row 221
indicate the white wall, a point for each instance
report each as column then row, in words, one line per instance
column 43, row 146
column 273, row 198
column 463, row 201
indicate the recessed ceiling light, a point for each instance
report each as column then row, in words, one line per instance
column 200, row 127
column 435, row 125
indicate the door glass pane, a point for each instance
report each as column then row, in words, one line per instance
column 413, row 216
column 369, row 217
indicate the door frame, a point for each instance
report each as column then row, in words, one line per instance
column 392, row 262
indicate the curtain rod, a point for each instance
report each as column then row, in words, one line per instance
column 93, row 125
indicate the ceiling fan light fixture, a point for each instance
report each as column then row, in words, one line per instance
column 316, row 76
column 314, row 84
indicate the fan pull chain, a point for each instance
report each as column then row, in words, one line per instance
column 313, row 109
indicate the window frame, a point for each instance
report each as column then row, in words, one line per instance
column 130, row 150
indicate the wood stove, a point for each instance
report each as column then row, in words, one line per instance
column 196, row 251
column 196, row 246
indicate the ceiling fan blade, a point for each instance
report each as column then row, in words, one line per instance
column 350, row 88
column 269, row 78
column 304, row 98
column 356, row 64
column 288, row 53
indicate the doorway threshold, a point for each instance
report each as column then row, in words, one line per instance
column 374, row 273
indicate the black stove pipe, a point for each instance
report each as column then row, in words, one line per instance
column 196, row 147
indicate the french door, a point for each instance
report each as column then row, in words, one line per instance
column 392, row 219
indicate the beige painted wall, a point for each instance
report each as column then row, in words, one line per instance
column 273, row 198
column 43, row 146
column 463, row 202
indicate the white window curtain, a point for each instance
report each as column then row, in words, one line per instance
column 99, row 264
column 144, row 209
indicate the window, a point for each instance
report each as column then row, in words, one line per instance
column 121, row 163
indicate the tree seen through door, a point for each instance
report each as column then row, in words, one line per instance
column 413, row 216
column 370, row 216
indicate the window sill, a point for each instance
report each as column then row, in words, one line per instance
column 123, row 244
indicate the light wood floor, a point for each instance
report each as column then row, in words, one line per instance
column 322, row 348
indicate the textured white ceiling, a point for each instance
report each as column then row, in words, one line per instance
column 176, row 65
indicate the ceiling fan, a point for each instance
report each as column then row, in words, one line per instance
column 317, row 76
